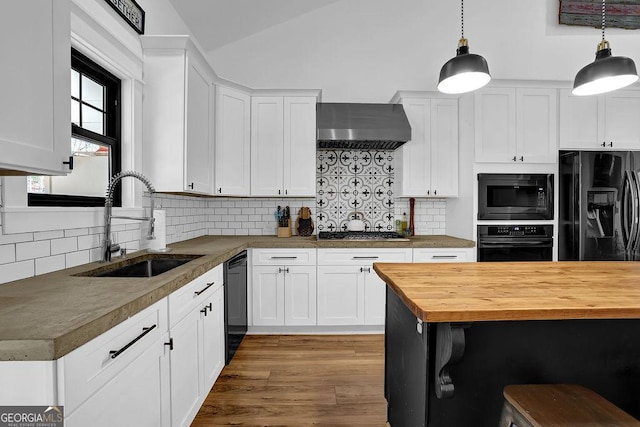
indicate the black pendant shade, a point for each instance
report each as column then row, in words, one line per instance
column 605, row 74
column 463, row 73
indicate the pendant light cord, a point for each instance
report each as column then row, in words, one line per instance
column 462, row 16
column 603, row 17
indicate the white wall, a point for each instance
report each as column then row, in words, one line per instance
column 366, row 50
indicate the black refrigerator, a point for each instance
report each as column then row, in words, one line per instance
column 599, row 206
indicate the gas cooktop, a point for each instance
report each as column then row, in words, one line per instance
column 360, row 235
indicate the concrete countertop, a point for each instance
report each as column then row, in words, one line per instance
column 47, row 316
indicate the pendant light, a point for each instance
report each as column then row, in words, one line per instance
column 466, row 71
column 607, row 72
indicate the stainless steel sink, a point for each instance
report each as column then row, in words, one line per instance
column 149, row 265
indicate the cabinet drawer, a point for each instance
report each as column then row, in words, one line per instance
column 362, row 256
column 283, row 257
column 443, row 255
column 185, row 299
column 88, row 368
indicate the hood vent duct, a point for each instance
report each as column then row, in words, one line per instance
column 362, row 126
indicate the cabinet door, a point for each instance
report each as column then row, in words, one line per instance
column 35, row 118
column 621, row 122
column 199, row 143
column 233, row 127
column 444, row 148
column 268, row 295
column 413, row 177
column 581, row 122
column 186, row 379
column 495, row 125
column 340, row 295
column 267, row 135
column 213, row 346
column 300, row 295
column 137, row 396
column 300, row 146
column 374, row 298
column 536, row 125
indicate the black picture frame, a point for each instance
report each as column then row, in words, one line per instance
column 115, row 4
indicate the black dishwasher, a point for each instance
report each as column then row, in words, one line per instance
column 235, row 303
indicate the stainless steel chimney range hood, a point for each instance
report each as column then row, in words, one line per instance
column 362, row 126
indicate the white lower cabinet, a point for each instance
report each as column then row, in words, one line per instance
column 350, row 293
column 196, row 316
column 283, row 283
column 154, row 369
column 121, row 377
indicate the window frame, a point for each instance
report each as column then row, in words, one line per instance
column 111, row 138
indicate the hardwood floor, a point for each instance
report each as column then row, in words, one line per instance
column 300, row 380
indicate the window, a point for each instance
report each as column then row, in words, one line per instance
column 95, row 141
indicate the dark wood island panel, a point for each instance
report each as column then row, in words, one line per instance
column 456, row 334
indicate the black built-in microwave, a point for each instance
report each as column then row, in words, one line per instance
column 515, row 196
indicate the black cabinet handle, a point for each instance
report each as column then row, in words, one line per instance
column 190, row 186
column 170, row 343
column 204, row 310
column 220, row 190
column 514, row 158
column 283, row 270
column 365, row 269
column 364, row 257
column 444, row 256
column 284, row 257
column 278, row 192
column 210, row 284
column 145, row 331
column 522, row 158
column 70, row 163
column 435, row 192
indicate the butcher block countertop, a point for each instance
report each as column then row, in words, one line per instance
column 493, row 291
column 47, row 316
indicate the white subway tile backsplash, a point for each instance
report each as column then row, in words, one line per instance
column 89, row 241
column 32, row 250
column 7, row 254
column 50, row 263
column 62, row 246
column 15, row 238
column 25, row 254
column 16, row 271
column 76, row 232
column 48, row 235
column 77, row 258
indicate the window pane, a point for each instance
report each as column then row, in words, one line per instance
column 75, row 112
column 92, row 93
column 90, row 175
column 75, row 84
column 92, row 119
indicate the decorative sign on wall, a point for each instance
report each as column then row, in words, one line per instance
column 350, row 181
column 620, row 13
column 131, row 12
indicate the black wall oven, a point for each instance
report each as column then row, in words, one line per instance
column 515, row 243
column 515, row 196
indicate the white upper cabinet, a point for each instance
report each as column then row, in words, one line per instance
column 233, row 130
column 428, row 164
column 283, row 145
column 35, row 112
column 177, row 116
column 516, row 125
column 600, row 122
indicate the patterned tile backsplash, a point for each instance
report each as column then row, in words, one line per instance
column 349, row 181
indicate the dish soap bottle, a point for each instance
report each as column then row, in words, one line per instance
column 404, row 225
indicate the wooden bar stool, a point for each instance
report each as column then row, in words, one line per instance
column 560, row 405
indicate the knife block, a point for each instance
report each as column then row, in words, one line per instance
column 284, row 231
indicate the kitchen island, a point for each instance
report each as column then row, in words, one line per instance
column 456, row 334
